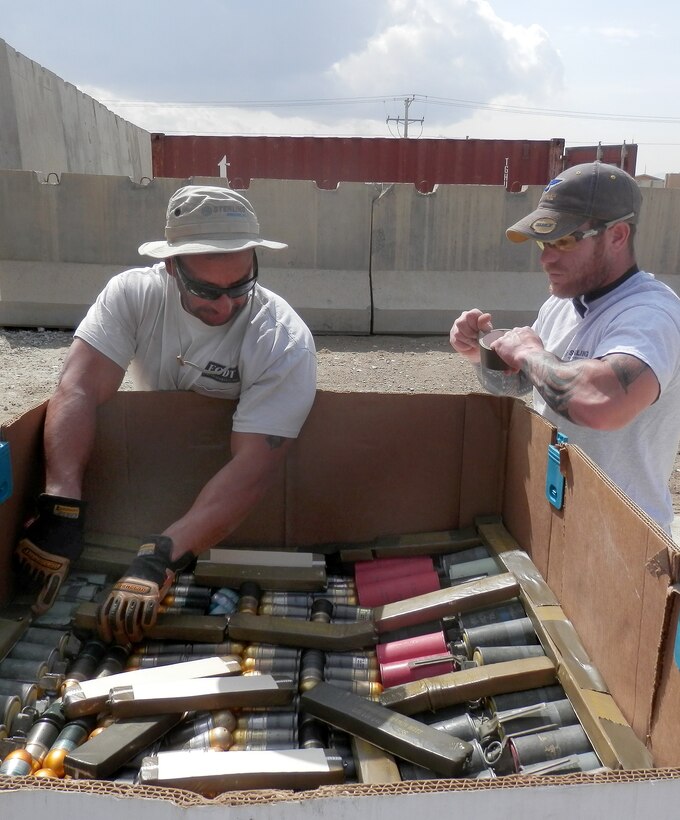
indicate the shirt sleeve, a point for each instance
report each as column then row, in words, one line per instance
column 650, row 333
column 278, row 401
column 111, row 323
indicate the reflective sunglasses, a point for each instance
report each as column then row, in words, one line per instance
column 212, row 292
column 569, row 242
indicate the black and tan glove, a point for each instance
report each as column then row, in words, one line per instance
column 51, row 541
column 131, row 607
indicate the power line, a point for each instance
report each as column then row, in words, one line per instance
column 432, row 100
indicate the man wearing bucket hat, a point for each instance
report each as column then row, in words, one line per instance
column 197, row 320
column 603, row 356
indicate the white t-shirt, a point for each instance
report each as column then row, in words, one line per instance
column 640, row 317
column 264, row 356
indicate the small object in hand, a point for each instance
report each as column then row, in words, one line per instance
column 488, row 357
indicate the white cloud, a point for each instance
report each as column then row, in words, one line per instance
column 456, row 49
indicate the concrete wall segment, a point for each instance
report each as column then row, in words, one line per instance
column 49, row 125
column 10, row 152
column 361, row 258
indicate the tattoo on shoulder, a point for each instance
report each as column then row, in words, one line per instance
column 626, row 368
column 275, row 442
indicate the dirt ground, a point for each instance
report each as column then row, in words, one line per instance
column 31, row 360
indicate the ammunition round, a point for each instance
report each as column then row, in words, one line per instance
column 27, row 671
column 381, row 569
column 45, row 731
column 312, row 735
column 331, row 673
column 463, row 727
column 366, row 659
column 54, row 760
column 217, row 738
column 378, row 593
column 541, row 746
column 288, row 666
column 338, row 597
column 411, row 648
column 584, row 762
column 24, row 650
column 298, row 599
column 495, row 654
column 464, row 556
column 519, row 632
column 225, row 718
column 46, row 773
column 88, row 659
column 365, row 689
column 542, row 717
column 322, row 611
column 398, row 672
column 284, row 610
column 525, row 697
column 26, row 692
column 469, row 570
column 262, row 650
column 54, row 638
column 351, row 612
column 283, row 738
column 10, row 706
column 509, row 611
column 249, row 597
column 267, row 720
column 114, row 661
column 18, row 763
column 264, row 746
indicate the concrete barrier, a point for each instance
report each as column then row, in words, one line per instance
column 49, row 125
column 361, row 259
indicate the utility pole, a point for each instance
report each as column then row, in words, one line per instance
column 407, row 104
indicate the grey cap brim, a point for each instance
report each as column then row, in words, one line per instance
column 163, row 250
column 544, row 224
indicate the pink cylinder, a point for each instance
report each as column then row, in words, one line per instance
column 398, row 672
column 391, row 567
column 396, row 589
column 409, row 648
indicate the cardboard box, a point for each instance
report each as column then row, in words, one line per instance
column 369, row 466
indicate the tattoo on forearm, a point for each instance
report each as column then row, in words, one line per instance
column 275, row 442
column 558, row 382
column 626, row 369
column 554, row 382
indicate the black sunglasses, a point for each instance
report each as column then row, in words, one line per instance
column 211, row 292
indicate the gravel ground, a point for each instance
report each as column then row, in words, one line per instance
column 30, row 362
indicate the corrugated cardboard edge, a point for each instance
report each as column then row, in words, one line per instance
column 186, row 799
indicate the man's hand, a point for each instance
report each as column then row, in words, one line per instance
column 466, row 331
column 132, row 605
column 516, row 346
column 50, row 542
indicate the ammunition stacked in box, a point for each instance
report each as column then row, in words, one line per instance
column 395, row 665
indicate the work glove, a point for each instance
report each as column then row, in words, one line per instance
column 132, row 605
column 50, row 542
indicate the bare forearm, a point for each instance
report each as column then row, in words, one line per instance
column 69, row 438
column 228, row 497
column 602, row 394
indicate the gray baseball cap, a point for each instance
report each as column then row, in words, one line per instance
column 207, row 219
column 593, row 190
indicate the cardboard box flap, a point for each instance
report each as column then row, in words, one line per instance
column 25, row 436
column 600, row 544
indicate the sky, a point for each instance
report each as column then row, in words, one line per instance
column 585, row 72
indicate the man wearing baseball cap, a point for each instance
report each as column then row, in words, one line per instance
column 196, row 320
column 603, row 356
